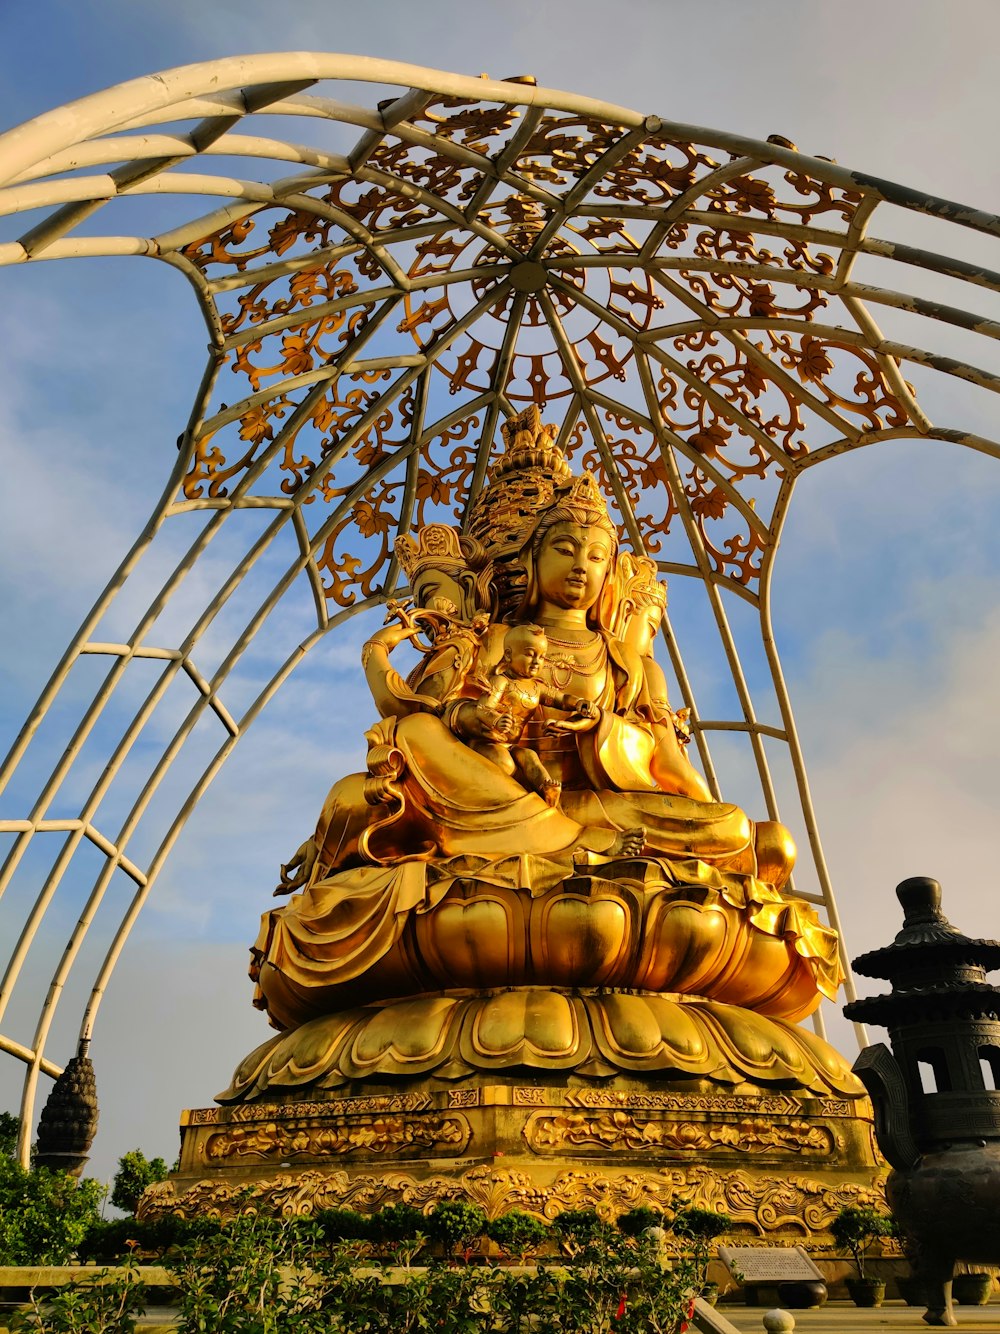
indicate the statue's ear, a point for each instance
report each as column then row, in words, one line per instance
column 467, row 582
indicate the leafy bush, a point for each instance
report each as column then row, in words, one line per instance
column 618, row 1286
column 399, row 1222
column 135, row 1173
column 106, row 1304
column 337, row 1225
column 255, row 1275
column 456, row 1226
column 517, row 1233
column 108, row 1240
column 701, row 1227
column 44, row 1215
column 232, row 1283
column 636, row 1221
column 402, row 1230
column 579, row 1228
column 10, row 1127
column 854, row 1229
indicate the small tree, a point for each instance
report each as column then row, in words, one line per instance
column 578, row 1229
column 135, row 1173
column 10, row 1125
column 855, row 1229
column 517, row 1233
column 636, row 1221
column 456, row 1225
column 701, row 1227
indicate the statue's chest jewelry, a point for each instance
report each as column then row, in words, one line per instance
column 582, row 665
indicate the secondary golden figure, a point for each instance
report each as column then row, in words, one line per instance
column 515, row 694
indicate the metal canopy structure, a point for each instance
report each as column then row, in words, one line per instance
column 684, row 304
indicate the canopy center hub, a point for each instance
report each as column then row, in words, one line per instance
column 528, row 276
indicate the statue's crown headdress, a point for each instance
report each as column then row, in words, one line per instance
column 531, row 485
column 523, row 482
column 530, row 444
column 637, row 588
column 438, row 545
column 639, row 583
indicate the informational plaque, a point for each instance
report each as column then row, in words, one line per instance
column 769, row 1264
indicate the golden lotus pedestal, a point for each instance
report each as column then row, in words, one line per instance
column 542, row 1100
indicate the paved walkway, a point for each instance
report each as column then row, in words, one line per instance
column 834, row 1318
column 846, row 1318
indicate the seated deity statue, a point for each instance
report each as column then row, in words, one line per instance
column 576, row 846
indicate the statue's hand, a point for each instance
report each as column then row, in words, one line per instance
column 585, row 708
column 296, row 872
column 475, row 722
column 583, row 719
column 506, row 725
column 391, row 636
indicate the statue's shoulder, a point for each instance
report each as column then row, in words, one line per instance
column 491, row 645
column 624, row 656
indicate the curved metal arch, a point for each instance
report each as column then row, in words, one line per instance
column 515, row 199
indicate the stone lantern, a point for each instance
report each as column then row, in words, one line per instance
column 936, row 1099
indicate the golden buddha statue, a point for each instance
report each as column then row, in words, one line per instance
column 440, row 871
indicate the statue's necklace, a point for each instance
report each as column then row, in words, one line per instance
column 565, row 666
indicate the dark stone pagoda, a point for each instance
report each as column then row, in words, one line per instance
column 936, row 1098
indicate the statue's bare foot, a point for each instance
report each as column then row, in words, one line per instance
column 629, row 843
column 551, row 792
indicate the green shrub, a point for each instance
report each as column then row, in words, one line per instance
column 854, row 1229
column 517, row 1233
column 44, row 1215
column 636, row 1221
column 455, row 1225
column 231, row 1282
column 579, row 1228
column 106, row 1304
column 135, row 1173
column 398, row 1222
column 344, row 1225
column 255, row 1275
column 701, row 1227
column 109, row 1240
column 10, row 1126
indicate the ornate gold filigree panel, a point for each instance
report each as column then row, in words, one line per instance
column 393, row 1135
column 769, row 1207
column 620, row 1130
column 684, row 307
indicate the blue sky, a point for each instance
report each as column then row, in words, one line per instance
column 886, row 604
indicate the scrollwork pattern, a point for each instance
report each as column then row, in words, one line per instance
column 739, row 266
column 766, row 1207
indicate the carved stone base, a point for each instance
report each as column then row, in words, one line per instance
column 781, row 1164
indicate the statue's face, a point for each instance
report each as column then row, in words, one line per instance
column 641, row 629
column 527, row 654
column 572, row 565
column 431, row 584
